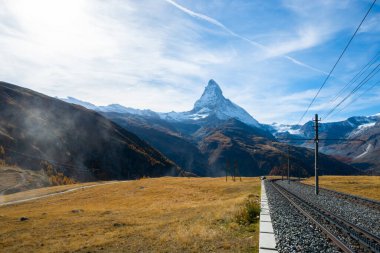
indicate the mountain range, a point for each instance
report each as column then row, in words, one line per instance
column 214, row 134
column 76, row 140
column 212, row 103
column 355, row 140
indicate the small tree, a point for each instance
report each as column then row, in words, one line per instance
column 48, row 168
column 2, row 155
column 2, row 152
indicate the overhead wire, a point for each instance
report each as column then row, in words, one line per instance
column 336, row 63
column 357, row 87
column 357, row 76
column 361, row 94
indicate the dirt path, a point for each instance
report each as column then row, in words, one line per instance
column 57, row 193
column 11, row 179
column 14, row 179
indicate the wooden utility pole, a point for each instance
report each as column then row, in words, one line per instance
column 234, row 170
column 282, row 172
column 316, row 164
column 288, row 166
column 299, row 174
column 227, row 169
column 237, row 171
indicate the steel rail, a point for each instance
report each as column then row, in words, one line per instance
column 363, row 237
column 332, row 237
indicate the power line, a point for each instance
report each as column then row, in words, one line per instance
column 361, row 94
column 357, row 87
column 336, row 63
column 357, row 76
column 321, row 139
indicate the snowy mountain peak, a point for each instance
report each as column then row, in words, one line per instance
column 213, row 87
column 211, row 97
column 213, row 103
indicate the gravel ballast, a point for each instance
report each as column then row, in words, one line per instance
column 293, row 231
column 356, row 213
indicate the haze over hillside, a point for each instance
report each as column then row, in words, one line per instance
column 41, row 133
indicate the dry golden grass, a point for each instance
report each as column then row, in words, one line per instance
column 149, row 215
column 365, row 186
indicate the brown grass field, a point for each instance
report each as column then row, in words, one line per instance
column 364, row 186
column 148, row 215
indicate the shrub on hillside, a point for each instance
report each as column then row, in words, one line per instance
column 2, row 155
column 249, row 213
column 61, row 179
column 56, row 178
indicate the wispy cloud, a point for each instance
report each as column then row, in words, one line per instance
column 90, row 52
column 372, row 25
column 269, row 52
column 146, row 54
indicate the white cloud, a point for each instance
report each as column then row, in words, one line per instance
column 157, row 55
column 98, row 56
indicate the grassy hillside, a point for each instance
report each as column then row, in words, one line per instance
column 150, row 215
column 365, row 186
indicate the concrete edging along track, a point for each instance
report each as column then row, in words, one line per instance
column 57, row 193
column 267, row 241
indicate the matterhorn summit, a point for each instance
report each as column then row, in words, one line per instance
column 211, row 97
column 213, row 103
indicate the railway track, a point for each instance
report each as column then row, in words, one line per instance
column 353, row 198
column 360, row 239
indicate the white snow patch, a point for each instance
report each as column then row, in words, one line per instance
column 197, row 116
column 368, row 125
column 280, row 128
column 360, row 129
column 367, row 150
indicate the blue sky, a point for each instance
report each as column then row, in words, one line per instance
column 270, row 57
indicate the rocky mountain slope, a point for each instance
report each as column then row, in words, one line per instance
column 170, row 138
column 40, row 132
